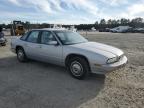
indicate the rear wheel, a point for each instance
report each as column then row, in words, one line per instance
column 21, row 55
column 78, row 67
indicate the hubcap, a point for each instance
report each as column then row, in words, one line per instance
column 76, row 68
column 20, row 54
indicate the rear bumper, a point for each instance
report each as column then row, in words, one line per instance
column 103, row 69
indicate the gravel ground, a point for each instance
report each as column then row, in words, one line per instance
column 123, row 88
column 40, row 85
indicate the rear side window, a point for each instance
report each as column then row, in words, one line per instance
column 33, row 37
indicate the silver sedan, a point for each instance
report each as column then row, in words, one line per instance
column 69, row 49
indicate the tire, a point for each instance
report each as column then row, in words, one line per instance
column 21, row 55
column 78, row 67
column 3, row 44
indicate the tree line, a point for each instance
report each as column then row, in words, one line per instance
column 111, row 23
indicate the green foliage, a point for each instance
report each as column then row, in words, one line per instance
column 111, row 23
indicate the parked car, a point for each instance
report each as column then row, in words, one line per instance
column 104, row 30
column 121, row 29
column 69, row 49
column 138, row 30
column 3, row 41
column 2, row 38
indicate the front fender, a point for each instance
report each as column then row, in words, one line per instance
column 92, row 57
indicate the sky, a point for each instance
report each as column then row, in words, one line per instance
column 69, row 11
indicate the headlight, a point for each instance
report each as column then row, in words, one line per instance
column 112, row 60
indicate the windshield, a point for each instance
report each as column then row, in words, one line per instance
column 68, row 37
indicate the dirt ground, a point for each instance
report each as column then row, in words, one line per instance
column 41, row 85
column 123, row 88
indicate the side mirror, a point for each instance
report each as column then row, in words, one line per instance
column 53, row 43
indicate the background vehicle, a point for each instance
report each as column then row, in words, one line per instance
column 17, row 28
column 138, row 30
column 69, row 49
column 3, row 41
column 104, row 30
column 120, row 29
column 72, row 28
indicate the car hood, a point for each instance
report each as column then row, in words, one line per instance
column 100, row 48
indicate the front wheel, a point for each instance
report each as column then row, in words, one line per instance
column 78, row 67
column 3, row 44
column 21, row 55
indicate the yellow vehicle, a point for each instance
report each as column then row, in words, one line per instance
column 19, row 29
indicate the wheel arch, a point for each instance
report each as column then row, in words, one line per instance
column 70, row 56
column 18, row 46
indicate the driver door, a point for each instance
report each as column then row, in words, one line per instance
column 51, row 53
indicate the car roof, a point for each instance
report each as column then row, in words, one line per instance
column 51, row 29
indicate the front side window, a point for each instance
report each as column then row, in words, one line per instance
column 33, row 37
column 24, row 36
column 47, row 37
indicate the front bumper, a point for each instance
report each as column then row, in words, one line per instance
column 2, row 41
column 103, row 69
